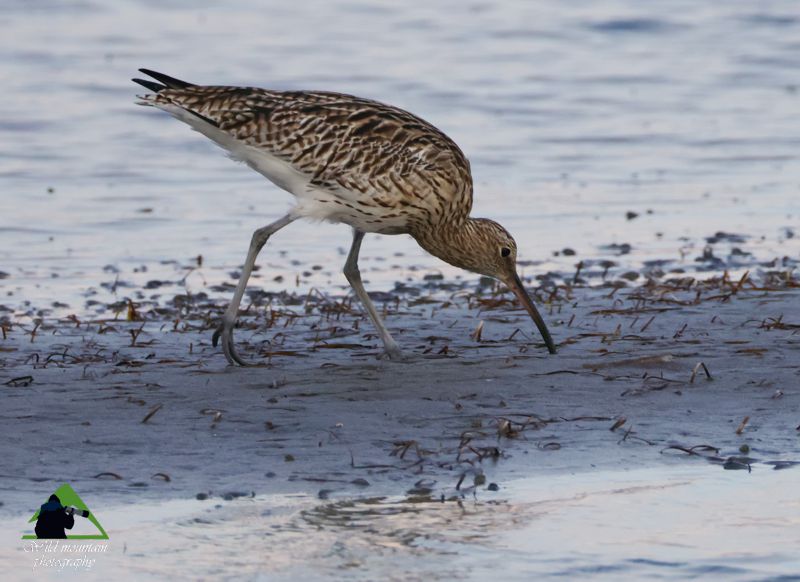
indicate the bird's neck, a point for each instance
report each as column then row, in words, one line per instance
column 452, row 241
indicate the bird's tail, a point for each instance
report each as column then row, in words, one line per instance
column 165, row 82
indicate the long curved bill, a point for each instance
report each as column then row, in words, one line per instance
column 519, row 290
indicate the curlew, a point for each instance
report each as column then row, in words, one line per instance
column 347, row 160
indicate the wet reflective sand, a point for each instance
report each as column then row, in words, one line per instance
column 676, row 524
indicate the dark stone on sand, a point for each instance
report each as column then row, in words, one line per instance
column 400, row 287
column 231, row 495
column 709, row 258
column 382, row 296
column 113, row 285
column 415, row 491
column 777, row 465
column 568, row 252
column 630, row 215
column 620, row 249
column 725, row 237
column 493, row 487
column 259, row 296
column 181, row 301
column 738, row 464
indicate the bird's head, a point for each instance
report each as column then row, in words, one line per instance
column 484, row 247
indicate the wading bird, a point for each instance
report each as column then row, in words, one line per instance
column 346, row 159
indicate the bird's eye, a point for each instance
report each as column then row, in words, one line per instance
column 505, row 251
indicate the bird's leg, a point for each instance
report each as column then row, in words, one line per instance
column 354, row 277
column 225, row 329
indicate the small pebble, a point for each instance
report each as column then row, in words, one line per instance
column 231, row 495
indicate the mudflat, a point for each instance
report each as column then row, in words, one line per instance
column 138, row 405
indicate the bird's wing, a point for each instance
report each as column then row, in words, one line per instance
column 356, row 147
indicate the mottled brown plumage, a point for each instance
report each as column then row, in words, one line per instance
column 352, row 160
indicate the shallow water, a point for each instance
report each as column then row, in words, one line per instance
column 669, row 523
column 570, row 117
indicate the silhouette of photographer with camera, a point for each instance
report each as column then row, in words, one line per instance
column 53, row 519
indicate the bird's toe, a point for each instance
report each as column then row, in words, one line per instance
column 231, row 354
column 394, row 354
column 224, row 332
column 217, row 333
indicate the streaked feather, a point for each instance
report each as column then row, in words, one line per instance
column 348, row 159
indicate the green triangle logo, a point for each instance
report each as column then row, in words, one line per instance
column 69, row 498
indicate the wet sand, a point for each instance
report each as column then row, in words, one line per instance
column 320, row 404
column 136, row 408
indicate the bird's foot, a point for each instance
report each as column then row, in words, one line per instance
column 225, row 331
column 393, row 353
